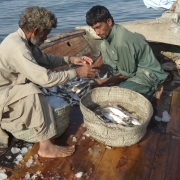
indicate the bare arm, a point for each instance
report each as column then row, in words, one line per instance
column 99, row 62
column 110, row 81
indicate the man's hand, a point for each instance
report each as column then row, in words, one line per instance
column 112, row 81
column 97, row 83
column 87, row 71
column 82, row 61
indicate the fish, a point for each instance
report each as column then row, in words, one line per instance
column 135, row 122
column 73, row 90
column 105, row 76
column 117, row 112
column 113, row 118
column 78, row 88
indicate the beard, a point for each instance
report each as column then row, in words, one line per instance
column 36, row 41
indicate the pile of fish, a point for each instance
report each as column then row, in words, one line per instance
column 117, row 115
column 69, row 92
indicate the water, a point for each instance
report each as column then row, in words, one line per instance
column 72, row 13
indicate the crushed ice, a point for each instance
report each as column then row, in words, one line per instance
column 108, row 147
column 24, row 150
column 3, row 174
column 79, row 174
column 56, row 101
column 29, row 162
column 86, row 134
column 74, row 139
column 165, row 117
column 15, row 150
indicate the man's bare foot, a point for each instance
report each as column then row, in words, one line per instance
column 49, row 150
column 158, row 96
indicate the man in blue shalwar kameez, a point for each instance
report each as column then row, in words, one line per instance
column 126, row 55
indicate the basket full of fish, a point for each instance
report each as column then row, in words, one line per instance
column 116, row 116
column 61, row 109
column 62, row 97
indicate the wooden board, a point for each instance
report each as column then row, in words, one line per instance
column 173, row 125
column 172, row 164
column 60, row 37
column 73, row 46
column 155, row 157
column 151, row 158
column 128, row 162
column 158, row 171
column 68, row 47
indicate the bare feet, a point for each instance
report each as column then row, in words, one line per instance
column 49, row 150
column 158, row 96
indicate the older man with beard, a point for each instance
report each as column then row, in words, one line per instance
column 23, row 66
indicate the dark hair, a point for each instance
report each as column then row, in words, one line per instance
column 37, row 17
column 98, row 14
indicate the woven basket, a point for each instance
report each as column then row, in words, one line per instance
column 61, row 116
column 115, row 134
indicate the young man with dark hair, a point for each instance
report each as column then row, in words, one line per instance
column 127, row 56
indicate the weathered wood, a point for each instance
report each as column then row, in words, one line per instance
column 137, row 162
column 173, row 163
column 60, row 37
column 94, row 152
column 133, row 162
column 67, row 48
column 159, row 165
column 174, row 124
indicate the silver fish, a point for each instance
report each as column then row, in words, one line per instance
column 117, row 112
column 113, row 118
column 135, row 122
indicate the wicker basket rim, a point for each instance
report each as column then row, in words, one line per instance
column 113, row 87
column 117, row 126
column 111, row 125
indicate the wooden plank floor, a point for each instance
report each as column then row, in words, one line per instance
column 173, row 126
column 155, row 157
column 151, row 158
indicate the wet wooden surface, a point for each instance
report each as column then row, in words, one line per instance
column 173, row 126
column 155, row 157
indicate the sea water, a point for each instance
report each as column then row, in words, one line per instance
column 72, row 13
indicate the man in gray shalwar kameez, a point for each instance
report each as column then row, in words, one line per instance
column 22, row 67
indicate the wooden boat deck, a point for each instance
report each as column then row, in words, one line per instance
column 155, row 157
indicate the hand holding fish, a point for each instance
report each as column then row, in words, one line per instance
column 82, row 61
column 97, row 83
column 87, row 71
column 112, row 81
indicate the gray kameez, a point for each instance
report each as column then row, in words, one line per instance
column 19, row 64
column 126, row 53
